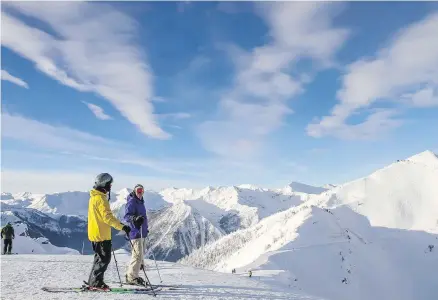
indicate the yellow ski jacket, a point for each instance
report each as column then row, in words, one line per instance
column 100, row 218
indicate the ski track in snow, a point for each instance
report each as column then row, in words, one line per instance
column 22, row 276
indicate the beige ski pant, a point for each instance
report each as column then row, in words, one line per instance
column 137, row 255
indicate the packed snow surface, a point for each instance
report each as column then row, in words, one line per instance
column 23, row 276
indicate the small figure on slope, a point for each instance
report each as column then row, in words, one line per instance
column 8, row 234
column 100, row 221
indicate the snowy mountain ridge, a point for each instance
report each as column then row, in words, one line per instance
column 402, row 195
column 336, row 243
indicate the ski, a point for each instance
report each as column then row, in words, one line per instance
column 87, row 290
column 155, row 286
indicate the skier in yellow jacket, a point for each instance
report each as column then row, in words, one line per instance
column 100, row 221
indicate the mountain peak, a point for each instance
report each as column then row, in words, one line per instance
column 425, row 157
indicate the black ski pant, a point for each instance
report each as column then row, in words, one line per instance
column 102, row 258
column 7, row 246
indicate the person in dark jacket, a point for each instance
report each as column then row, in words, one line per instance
column 135, row 215
column 8, row 234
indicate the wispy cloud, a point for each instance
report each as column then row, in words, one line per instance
column 69, row 141
column 51, row 137
column 178, row 116
column 18, row 81
column 97, row 111
column 405, row 72
column 427, row 97
column 257, row 103
column 97, row 53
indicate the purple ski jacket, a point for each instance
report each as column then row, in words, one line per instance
column 135, row 207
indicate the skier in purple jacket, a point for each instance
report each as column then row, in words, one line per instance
column 135, row 215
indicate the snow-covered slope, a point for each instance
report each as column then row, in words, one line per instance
column 178, row 230
column 330, row 244
column 401, row 195
column 23, row 243
column 60, row 230
column 335, row 254
column 236, row 207
column 24, row 275
column 67, row 203
column 329, row 186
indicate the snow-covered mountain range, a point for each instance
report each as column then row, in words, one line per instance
column 373, row 238
column 180, row 220
column 330, row 241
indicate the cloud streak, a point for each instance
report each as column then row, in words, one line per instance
column 69, row 141
column 93, row 49
column 51, row 137
column 15, row 80
column 97, row 111
column 177, row 116
column 405, row 73
column 257, row 103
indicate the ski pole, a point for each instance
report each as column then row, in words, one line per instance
column 117, row 268
column 132, row 247
column 153, row 255
column 142, row 245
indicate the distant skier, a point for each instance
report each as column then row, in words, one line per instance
column 135, row 214
column 7, row 234
column 100, row 221
column 250, row 273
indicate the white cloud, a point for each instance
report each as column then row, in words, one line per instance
column 94, row 50
column 97, row 111
column 8, row 77
column 178, row 116
column 51, row 137
column 376, row 124
column 408, row 63
column 69, row 141
column 426, row 97
column 257, row 103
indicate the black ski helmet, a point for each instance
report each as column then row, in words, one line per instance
column 103, row 180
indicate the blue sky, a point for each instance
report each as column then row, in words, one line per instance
column 190, row 94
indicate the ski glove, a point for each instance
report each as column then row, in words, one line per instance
column 126, row 229
column 138, row 221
